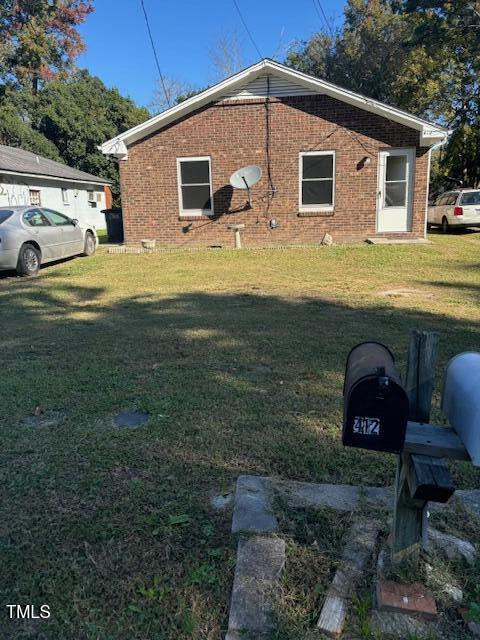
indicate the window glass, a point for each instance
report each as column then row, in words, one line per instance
column 317, row 191
column 317, row 180
column 195, row 172
column 396, row 181
column 35, row 197
column 395, row 194
column 5, row 215
column 441, row 201
column 58, row 219
column 36, row 218
column 471, row 198
column 451, row 198
column 195, row 185
column 317, row 166
column 396, row 168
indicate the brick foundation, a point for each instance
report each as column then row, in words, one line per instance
column 233, row 134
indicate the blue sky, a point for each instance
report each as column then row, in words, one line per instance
column 119, row 52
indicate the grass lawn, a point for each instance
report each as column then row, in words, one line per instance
column 239, row 358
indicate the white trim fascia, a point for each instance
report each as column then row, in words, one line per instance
column 41, row 176
column 315, row 208
column 427, row 130
column 186, row 213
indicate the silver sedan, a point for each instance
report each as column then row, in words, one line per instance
column 32, row 236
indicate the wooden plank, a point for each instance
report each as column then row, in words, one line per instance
column 422, row 356
column 434, row 440
column 409, row 519
column 356, row 555
column 428, row 478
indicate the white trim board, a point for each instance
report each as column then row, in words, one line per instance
column 118, row 147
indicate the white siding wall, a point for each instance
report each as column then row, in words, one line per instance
column 258, row 88
column 15, row 190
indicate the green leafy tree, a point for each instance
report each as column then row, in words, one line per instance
column 419, row 55
column 67, row 119
column 78, row 115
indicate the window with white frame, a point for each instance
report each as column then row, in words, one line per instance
column 65, row 197
column 195, row 186
column 317, row 181
column 35, row 197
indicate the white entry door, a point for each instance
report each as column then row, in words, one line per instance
column 394, row 200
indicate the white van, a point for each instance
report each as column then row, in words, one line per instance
column 460, row 208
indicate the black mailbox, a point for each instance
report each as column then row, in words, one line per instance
column 375, row 412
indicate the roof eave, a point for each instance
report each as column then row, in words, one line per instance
column 45, row 176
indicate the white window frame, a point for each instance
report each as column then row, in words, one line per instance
column 315, row 207
column 65, row 196
column 91, row 195
column 193, row 212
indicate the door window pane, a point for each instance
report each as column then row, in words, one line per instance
column 396, row 168
column 395, row 194
column 471, row 198
column 58, row 219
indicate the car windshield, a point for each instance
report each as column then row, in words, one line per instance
column 5, row 214
column 471, row 198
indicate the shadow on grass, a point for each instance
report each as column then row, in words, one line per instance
column 234, row 384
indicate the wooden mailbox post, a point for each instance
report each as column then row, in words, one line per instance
column 422, row 473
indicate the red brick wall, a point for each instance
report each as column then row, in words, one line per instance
column 233, row 134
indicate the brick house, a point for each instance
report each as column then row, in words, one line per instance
column 331, row 161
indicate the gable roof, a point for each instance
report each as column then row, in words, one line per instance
column 25, row 163
column 429, row 133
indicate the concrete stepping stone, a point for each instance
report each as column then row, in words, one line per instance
column 260, row 562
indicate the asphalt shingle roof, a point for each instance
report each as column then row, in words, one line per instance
column 20, row 161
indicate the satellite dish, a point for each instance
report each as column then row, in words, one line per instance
column 245, row 178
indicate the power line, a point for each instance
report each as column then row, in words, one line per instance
column 162, row 79
column 321, row 14
column 247, row 29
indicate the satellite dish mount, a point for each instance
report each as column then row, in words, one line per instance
column 245, row 178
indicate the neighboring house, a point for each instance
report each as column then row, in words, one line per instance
column 26, row 178
column 332, row 161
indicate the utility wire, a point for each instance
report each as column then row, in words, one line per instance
column 162, row 79
column 321, row 14
column 247, row 29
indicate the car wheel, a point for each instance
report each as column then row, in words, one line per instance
column 445, row 225
column 29, row 260
column 89, row 247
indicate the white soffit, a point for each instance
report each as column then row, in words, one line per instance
column 282, row 78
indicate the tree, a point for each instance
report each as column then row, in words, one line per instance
column 419, row 55
column 450, row 31
column 226, row 56
column 67, row 120
column 171, row 92
column 39, row 39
